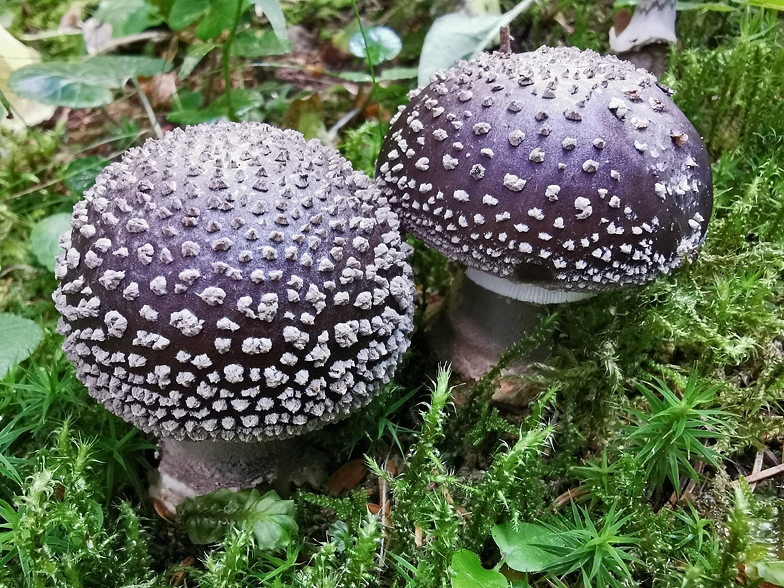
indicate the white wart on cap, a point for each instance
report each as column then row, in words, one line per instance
column 234, row 281
column 560, row 168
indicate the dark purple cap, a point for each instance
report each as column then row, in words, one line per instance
column 560, row 168
column 234, row 281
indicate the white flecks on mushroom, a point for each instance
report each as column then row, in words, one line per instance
column 583, row 205
column 513, row 183
column 187, row 322
column 536, row 155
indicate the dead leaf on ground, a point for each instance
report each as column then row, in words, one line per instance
column 178, row 577
column 72, row 19
column 96, row 35
column 161, row 88
column 348, row 476
column 162, row 511
column 304, row 115
column 13, row 55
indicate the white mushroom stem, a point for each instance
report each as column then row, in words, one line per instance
column 195, row 468
column 484, row 316
column 653, row 22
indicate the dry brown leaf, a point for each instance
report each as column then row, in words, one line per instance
column 14, row 55
column 161, row 88
column 348, row 476
column 162, row 511
column 72, row 19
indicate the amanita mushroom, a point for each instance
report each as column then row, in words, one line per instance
column 229, row 284
column 645, row 39
column 551, row 175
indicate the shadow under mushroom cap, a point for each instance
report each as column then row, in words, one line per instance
column 560, row 167
column 234, row 281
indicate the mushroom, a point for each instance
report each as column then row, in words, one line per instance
column 551, row 175
column 645, row 39
column 230, row 285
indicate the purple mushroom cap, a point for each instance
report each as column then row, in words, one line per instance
column 233, row 281
column 560, row 168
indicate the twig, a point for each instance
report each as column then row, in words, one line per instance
column 12, row 268
column 765, row 474
column 506, row 46
column 569, row 495
column 757, row 468
column 147, row 108
column 332, row 133
column 687, row 486
column 112, row 44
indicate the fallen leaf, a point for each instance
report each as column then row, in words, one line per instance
column 348, row 476
column 304, row 115
column 161, row 88
column 162, row 511
column 72, row 19
column 24, row 112
column 419, row 536
column 178, row 577
column 96, row 35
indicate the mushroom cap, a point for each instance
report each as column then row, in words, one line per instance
column 559, row 168
column 234, row 281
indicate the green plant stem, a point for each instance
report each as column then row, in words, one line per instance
column 371, row 66
column 147, row 108
column 233, row 116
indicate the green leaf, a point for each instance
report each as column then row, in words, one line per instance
column 255, row 43
column 18, row 339
column 61, row 84
column 383, row 44
column 193, row 57
column 243, row 101
column 271, row 519
column 80, row 174
column 524, row 546
column 82, row 85
column 127, row 17
column 768, row 570
column 187, row 99
column 274, row 14
column 769, row 4
column 221, row 17
column 305, row 115
column 120, row 68
column 184, row 12
column 45, row 238
column 469, row 573
column 388, row 75
column 459, row 36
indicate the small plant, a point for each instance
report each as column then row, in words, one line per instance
column 599, row 554
column 670, row 437
column 269, row 518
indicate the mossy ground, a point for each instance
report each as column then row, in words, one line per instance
column 73, row 507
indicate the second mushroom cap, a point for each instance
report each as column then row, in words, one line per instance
column 560, row 167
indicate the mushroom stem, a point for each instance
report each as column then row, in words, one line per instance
column 478, row 325
column 506, row 40
column 195, row 468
